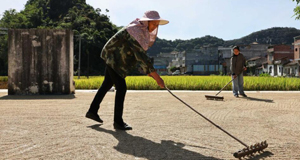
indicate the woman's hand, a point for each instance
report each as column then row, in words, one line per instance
column 160, row 82
column 158, row 79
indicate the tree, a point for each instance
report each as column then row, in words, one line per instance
column 297, row 10
column 93, row 25
column 173, row 69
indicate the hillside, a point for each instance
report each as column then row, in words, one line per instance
column 165, row 46
column 275, row 35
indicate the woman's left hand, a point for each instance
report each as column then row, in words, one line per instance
column 161, row 83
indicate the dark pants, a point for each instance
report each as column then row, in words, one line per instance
column 111, row 78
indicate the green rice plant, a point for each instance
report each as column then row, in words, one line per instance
column 191, row 83
column 3, row 78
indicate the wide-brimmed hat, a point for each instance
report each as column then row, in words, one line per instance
column 153, row 16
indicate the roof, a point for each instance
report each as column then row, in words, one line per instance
column 254, row 58
column 297, row 37
column 281, row 58
column 259, row 68
column 292, row 63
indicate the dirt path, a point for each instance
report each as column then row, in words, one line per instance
column 54, row 127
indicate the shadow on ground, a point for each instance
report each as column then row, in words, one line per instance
column 144, row 148
column 37, row 97
column 261, row 156
column 258, row 99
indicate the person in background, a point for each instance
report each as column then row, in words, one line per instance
column 121, row 53
column 238, row 65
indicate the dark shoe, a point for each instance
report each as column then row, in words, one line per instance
column 243, row 95
column 93, row 116
column 236, row 96
column 123, row 126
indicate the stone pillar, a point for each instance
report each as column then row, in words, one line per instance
column 40, row 61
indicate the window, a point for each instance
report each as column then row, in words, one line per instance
column 270, row 57
column 217, row 68
column 211, row 67
column 201, row 68
column 198, row 67
column 296, row 49
column 220, row 67
column 206, row 67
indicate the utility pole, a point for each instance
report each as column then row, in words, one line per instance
column 79, row 63
column 88, row 68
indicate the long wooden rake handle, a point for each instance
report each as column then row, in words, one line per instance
column 225, row 86
column 207, row 118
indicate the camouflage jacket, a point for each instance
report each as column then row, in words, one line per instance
column 122, row 52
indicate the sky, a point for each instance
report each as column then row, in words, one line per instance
column 226, row 19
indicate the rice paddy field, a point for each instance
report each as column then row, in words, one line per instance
column 196, row 83
column 189, row 83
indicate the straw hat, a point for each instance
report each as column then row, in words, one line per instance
column 153, row 16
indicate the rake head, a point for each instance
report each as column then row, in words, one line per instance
column 217, row 98
column 250, row 150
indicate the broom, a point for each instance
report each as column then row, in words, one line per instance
column 216, row 97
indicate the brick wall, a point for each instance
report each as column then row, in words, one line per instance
column 281, row 51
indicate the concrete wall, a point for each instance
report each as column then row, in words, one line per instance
column 40, row 62
column 296, row 49
column 225, row 52
column 254, row 50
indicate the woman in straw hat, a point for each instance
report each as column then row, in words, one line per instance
column 121, row 53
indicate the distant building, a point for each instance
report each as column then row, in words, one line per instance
column 254, row 50
column 161, row 62
column 225, row 53
column 178, row 61
column 254, row 53
column 291, row 69
column 204, row 61
column 277, row 60
column 278, row 57
column 296, row 47
column 280, row 65
column 254, row 65
column 297, row 54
